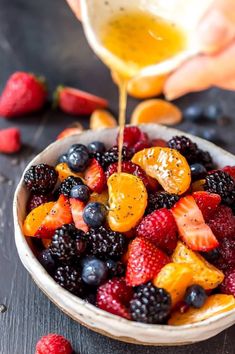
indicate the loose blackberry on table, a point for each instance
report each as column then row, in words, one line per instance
column 150, row 304
column 67, row 185
column 41, row 178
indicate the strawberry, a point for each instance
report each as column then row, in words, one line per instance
column 207, row 203
column 10, row 141
column 53, row 344
column 160, row 228
column 192, row 227
column 95, row 177
column 144, row 261
column 59, row 215
column 130, row 167
column 230, row 170
column 222, row 222
column 77, row 207
column 76, row 102
column 69, row 132
column 24, row 93
column 114, row 297
column 159, row 142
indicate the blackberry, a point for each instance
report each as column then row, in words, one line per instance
column 158, row 200
column 111, row 156
column 221, row 183
column 203, row 157
column 150, row 304
column 67, row 185
column 35, row 200
column 115, row 268
column 70, row 278
column 185, row 146
column 67, row 243
column 41, row 178
column 47, row 261
column 105, row 243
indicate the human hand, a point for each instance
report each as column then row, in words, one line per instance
column 217, row 33
column 75, row 6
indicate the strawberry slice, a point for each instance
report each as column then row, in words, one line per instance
column 192, row 227
column 95, row 177
column 207, row 203
column 59, row 215
column 77, row 211
column 144, row 261
column 75, row 102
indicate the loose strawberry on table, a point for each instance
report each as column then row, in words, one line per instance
column 145, row 244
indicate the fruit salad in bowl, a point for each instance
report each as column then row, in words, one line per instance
column 143, row 251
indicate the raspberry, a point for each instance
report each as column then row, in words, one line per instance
column 53, row 344
column 185, row 146
column 68, row 243
column 158, row 200
column 160, row 228
column 223, row 222
column 133, row 169
column 38, row 199
column 150, row 304
column 111, row 156
column 159, row 142
column 40, row 179
column 228, row 284
column 70, row 278
column 105, row 243
column 68, row 184
column 131, row 136
column 221, row 183
column 114, row 297
column 10, row 140
column 230, row 170
column 227, row 254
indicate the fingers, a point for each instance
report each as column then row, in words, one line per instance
column 75, row 6
column 202, row 72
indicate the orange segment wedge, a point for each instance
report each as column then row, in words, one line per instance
column 101, row 118
column 156, row 111
column 100, row 198
column 175, row 278
column 35, row 218
column 168, row 166
column 64, row 171
column 214, row 305
column 204, row 273
column 127, row 201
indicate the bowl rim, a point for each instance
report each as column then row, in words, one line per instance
column 38, row 273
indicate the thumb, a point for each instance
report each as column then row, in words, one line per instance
column 75, row 6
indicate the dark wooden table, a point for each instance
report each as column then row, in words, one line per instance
column 44, row 37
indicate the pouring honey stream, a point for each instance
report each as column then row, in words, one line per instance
column 139, row 39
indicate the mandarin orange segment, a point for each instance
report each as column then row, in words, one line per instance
column 127, row 201
column 168, row 166
column 214, row 305
column 100, row 198
column 156, row 111
column 198, row 185
column 204, row 273
column 35, row 218
column 175, row 278
column 101, row 118
column 64, row 171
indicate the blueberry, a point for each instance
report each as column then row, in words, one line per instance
column 212, row 255
column 94, row 271
column 96, row 146
column 63, row 158
column 94, row 214
column 211, row 135
column 193, row 113
column 213, row 112
column 78, row 158
column 81, row 192
column 75, row 147
column 198, row 171
column 47, row 261
column 195, row 296
column 115, row 268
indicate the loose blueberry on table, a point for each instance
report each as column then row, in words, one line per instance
column 148, row 263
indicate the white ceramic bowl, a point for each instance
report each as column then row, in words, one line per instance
column 86, row 314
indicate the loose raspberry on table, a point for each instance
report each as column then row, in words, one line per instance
column 53, row 344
